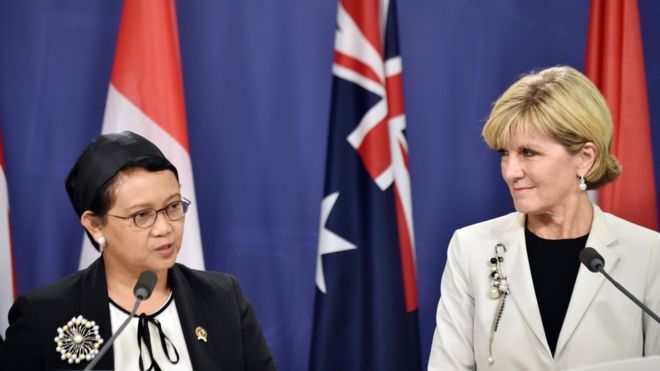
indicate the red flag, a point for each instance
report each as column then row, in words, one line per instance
column 615, row 62
column 146, row 97
column 7, row 272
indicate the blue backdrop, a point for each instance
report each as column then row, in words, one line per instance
column 257, row 78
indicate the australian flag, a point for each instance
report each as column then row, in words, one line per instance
column 366, row 299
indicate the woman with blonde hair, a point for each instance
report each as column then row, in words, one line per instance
column 513, row 293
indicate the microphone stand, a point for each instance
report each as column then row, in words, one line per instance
column 142, row 290
column 595, row 263
column 107, row 345
column 629, row 295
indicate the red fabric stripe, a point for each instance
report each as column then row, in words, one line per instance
column 615, row 62
column 357, row 66
column 375, row 150
column 407, row 256
column 147, row 67
column 395, row 106
column 603, row 61
column 394, row 86
column 365, row 14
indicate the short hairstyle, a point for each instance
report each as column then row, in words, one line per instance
column 563, row 103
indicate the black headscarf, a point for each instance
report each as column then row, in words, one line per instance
column 103, row 158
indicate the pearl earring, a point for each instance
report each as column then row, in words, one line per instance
column 101, row 241
column 583, row 183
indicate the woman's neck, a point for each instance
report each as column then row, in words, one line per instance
column 563, row 223
column 122, row 282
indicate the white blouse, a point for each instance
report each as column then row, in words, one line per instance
column 126, row 351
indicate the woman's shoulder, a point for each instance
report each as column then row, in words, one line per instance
column 497, row 224
column 57, row 291
column 41, row 308
column 207, row 279
column 624, row 229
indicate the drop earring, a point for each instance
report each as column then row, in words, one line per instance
column 101, row 241
column 583, row 183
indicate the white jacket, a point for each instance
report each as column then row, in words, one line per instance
column 601, row 324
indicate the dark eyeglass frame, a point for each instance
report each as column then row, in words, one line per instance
column 185, row 203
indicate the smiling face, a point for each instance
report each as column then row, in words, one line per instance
column 540, row 172
column 136, row 249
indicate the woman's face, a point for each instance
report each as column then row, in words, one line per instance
column 131, row 247
column 541, row 174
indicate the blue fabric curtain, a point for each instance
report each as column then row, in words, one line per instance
column 257, row 80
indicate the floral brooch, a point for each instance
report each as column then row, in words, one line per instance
column 78, row 340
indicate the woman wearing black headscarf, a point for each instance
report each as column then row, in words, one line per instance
column 128, row 198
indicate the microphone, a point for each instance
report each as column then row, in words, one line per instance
column 592, row 259
column 142, row 290
column 595, row 263
column 145, row 285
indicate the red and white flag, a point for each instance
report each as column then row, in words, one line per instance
column 146, row 97
column 7, row 273
column 615, row 63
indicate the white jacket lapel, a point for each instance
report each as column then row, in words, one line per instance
column 519, row 277
column 588, row 283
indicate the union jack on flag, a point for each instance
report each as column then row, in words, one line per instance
column 366, row 301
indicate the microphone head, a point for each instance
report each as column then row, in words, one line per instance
column 145, row 285
column 592, row 259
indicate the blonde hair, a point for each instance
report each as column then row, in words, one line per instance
column 563, row 103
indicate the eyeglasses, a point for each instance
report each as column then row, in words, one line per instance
column 147, row 217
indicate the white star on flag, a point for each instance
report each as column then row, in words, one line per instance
column 329, row 242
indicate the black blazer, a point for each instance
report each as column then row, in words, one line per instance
column 208, row 299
